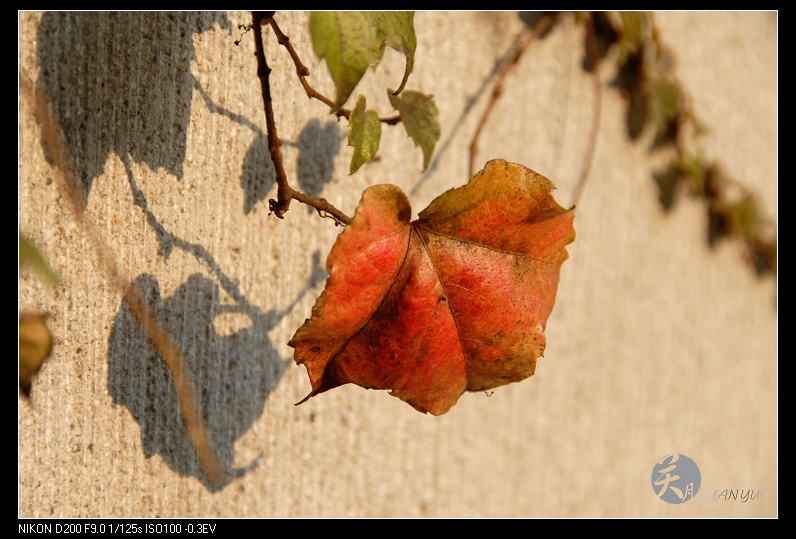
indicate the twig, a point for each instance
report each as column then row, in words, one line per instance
column 594, row 61
column 303, row 72
column 322, row 206
column 539, row 28
column 156, row 335
column 284, row 192
column 282, row 204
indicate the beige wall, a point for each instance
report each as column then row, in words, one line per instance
column 656, row 345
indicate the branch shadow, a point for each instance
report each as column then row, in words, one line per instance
column 121, row 82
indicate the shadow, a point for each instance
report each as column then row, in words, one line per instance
column 258, row 175
column 121, row 82
column 232, row 374
column 218, row 109
column 318, row 146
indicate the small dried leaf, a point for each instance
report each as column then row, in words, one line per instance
column 35, row 345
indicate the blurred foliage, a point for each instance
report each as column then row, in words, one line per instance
column 655, row 100
column 29, row 255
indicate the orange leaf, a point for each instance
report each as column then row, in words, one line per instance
column 455, row 301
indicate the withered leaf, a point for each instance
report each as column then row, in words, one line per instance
column 35, row 345
column 455, row 301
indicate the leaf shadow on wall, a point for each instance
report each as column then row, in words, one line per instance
column 121, row 82
column 233, row 373
column 318, row 147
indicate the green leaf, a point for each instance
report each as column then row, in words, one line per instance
column 352, row 41
column 364, row 134
column 29, row 254
column 420, row 118
column 399, row 29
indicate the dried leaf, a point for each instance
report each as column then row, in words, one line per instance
column 455, row 301
column 35, row 345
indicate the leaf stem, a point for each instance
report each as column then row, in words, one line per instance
column 323, row 207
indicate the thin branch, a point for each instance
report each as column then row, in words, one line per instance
column 282, row 39
column 323, row 207
column 303, row 72
column 594, row 61
column 282, row 204
column 284, row 192
column 539, row 28
column 159, row 338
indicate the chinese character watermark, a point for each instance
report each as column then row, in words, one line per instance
column 676, row 478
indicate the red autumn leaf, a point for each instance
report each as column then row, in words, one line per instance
column 455, row 301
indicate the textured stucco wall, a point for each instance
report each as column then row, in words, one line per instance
column 656, row 344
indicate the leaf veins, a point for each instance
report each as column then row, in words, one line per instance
column 492, row 249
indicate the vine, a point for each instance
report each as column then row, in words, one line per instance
column 655, row 99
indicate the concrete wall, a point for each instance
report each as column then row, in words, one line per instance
column 657, row 344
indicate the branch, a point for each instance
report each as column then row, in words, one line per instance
column 539, row 28
column 303, row 72
column 594, row 61
column 284, row 193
